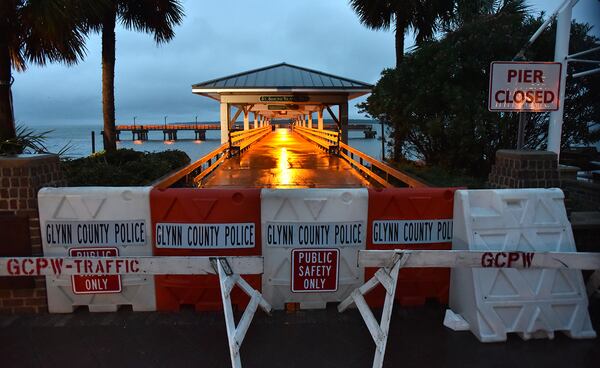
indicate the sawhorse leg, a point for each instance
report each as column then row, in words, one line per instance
column 236, row 334
column 388, row 278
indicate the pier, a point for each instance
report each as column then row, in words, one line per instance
column 303, row 152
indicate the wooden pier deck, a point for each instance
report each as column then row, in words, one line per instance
column 285, row 160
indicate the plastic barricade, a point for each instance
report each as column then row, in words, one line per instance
column 206, row 222
column 403, row 218
column 96, row 222
column 533, row 302
column 311, row 239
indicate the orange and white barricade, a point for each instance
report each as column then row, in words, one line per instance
column 207, row 222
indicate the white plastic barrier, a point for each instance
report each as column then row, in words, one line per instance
column 310, row 239
column 97, row 221
column 532, row 303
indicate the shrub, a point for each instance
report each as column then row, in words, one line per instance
column 123, row 167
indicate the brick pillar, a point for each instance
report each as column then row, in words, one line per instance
column 524, row 169
column 21, row 177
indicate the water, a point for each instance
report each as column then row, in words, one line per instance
column 78, row 138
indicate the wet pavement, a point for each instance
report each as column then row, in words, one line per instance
column 285, row 160
column 323, row 338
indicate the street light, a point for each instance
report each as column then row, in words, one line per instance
column 135, row 117
column 165, row 121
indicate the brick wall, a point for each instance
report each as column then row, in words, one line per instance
column 21, row 177
column 583, row 196
column 524, row 169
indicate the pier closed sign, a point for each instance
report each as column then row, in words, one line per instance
column 524, row 86
column 95, row 284
column 315, row 270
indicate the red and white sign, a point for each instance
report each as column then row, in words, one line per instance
column 315, row 270
column 95, row 284
column 524, row 86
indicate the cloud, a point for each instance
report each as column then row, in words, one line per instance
column 216, row 38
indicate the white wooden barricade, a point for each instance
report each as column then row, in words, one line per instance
column 390, row 262
column 229, row 270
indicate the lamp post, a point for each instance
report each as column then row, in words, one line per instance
column 165, row 121
column 135, row 117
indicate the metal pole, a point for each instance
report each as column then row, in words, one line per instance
column 135, row 117
column 561, row 51
column 587, row 72
column 93, row 142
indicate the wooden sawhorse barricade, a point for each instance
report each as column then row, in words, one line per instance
column 389, row 263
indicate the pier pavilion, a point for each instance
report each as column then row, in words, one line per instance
column 282, row 91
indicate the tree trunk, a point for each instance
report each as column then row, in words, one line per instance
column 7, row 121
column 398, row 141
column 399, row 33
column 398, row 137
column 108, row 81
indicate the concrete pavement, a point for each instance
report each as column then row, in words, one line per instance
column 322, row 338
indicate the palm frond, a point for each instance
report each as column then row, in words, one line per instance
column 53, row 34
column 151, row 16
column 374, row 14
column 29, row 141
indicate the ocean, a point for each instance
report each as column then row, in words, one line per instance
column 78, row 139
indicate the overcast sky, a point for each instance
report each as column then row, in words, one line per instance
column 216, row 38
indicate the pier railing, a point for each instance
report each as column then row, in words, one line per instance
column 196, row 171
column 193, row 174
column 327, row 140
column 374, row 169
column 369, row 166
column 241, row 140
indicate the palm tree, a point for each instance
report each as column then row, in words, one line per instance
column 157, row 17
column 422, row 16
column 40, row 32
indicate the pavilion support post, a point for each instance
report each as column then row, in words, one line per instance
column 343, row 119
column 310, row 125
column 320, row 118
column 246, row 119
column 255, row 120
column 225, row 113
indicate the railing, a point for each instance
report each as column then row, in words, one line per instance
column 325, row 139
column 349, row 153
column 196, row 171
column 242, row 139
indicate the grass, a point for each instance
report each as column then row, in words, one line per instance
column 124, row 167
